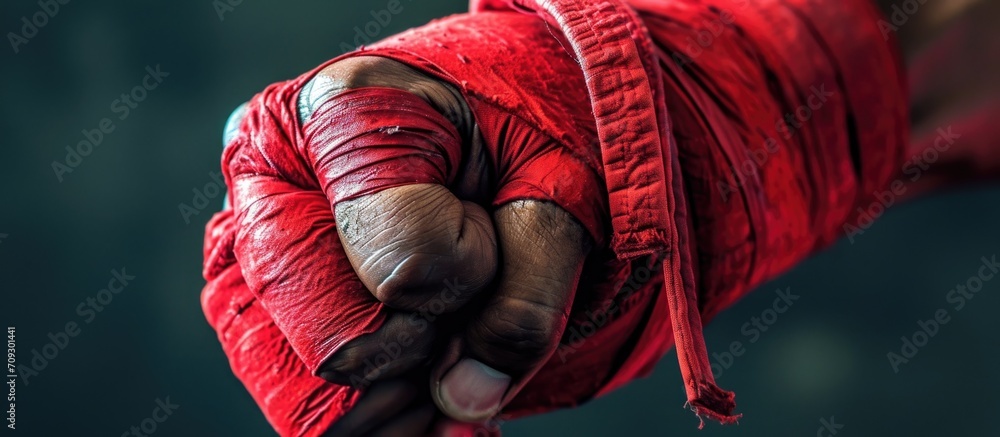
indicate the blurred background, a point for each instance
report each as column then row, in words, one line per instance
column 821, row 365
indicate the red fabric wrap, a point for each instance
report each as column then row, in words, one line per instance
column 365, row 140
column 286, row 241
column 646, row 197
column 674, row 152
column 357, row 143
column 295, row 402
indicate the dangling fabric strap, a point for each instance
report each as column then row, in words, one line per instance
column 648, row 214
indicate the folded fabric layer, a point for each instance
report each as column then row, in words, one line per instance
column 366, row 140
column 725, row 141
column 295, row 402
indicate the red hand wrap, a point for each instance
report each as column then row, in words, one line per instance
column 539, row 121
column 366, row 140
column 295, row 402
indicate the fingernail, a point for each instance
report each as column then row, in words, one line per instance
column 471, row 391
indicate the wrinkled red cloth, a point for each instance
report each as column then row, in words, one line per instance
column 727, row 140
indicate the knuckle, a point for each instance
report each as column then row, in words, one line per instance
column 517, row 332
column 405, row 244
column 406, row 218
column 401, row 344
column 359, row 72
column 348, row 74
column 545, row 223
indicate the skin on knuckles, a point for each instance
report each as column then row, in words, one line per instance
column 406, row 243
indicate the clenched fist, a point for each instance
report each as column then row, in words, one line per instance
column 396, row 242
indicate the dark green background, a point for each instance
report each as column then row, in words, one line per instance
column 119, row 208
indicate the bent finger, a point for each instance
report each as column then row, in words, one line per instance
column 543, row 250
column 384, row 401
column 402, row 343
column 385, row 157
column 410, row 244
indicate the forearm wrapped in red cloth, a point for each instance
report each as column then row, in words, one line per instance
column 727, row 139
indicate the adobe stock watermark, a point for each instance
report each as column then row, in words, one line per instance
column 711, row 31
column 161, row 412
column 828, row 427
column 30, row 27
column 787, row 127
column 381, row 18
column 11, row 377
column 202, row 197
column 753, row 330
column 421, row 320
column 123, row 106
column 223, row 7
column 915, row 168
column 579, row 331
column 958, row 297
column 87, row 310
column 901, row 14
